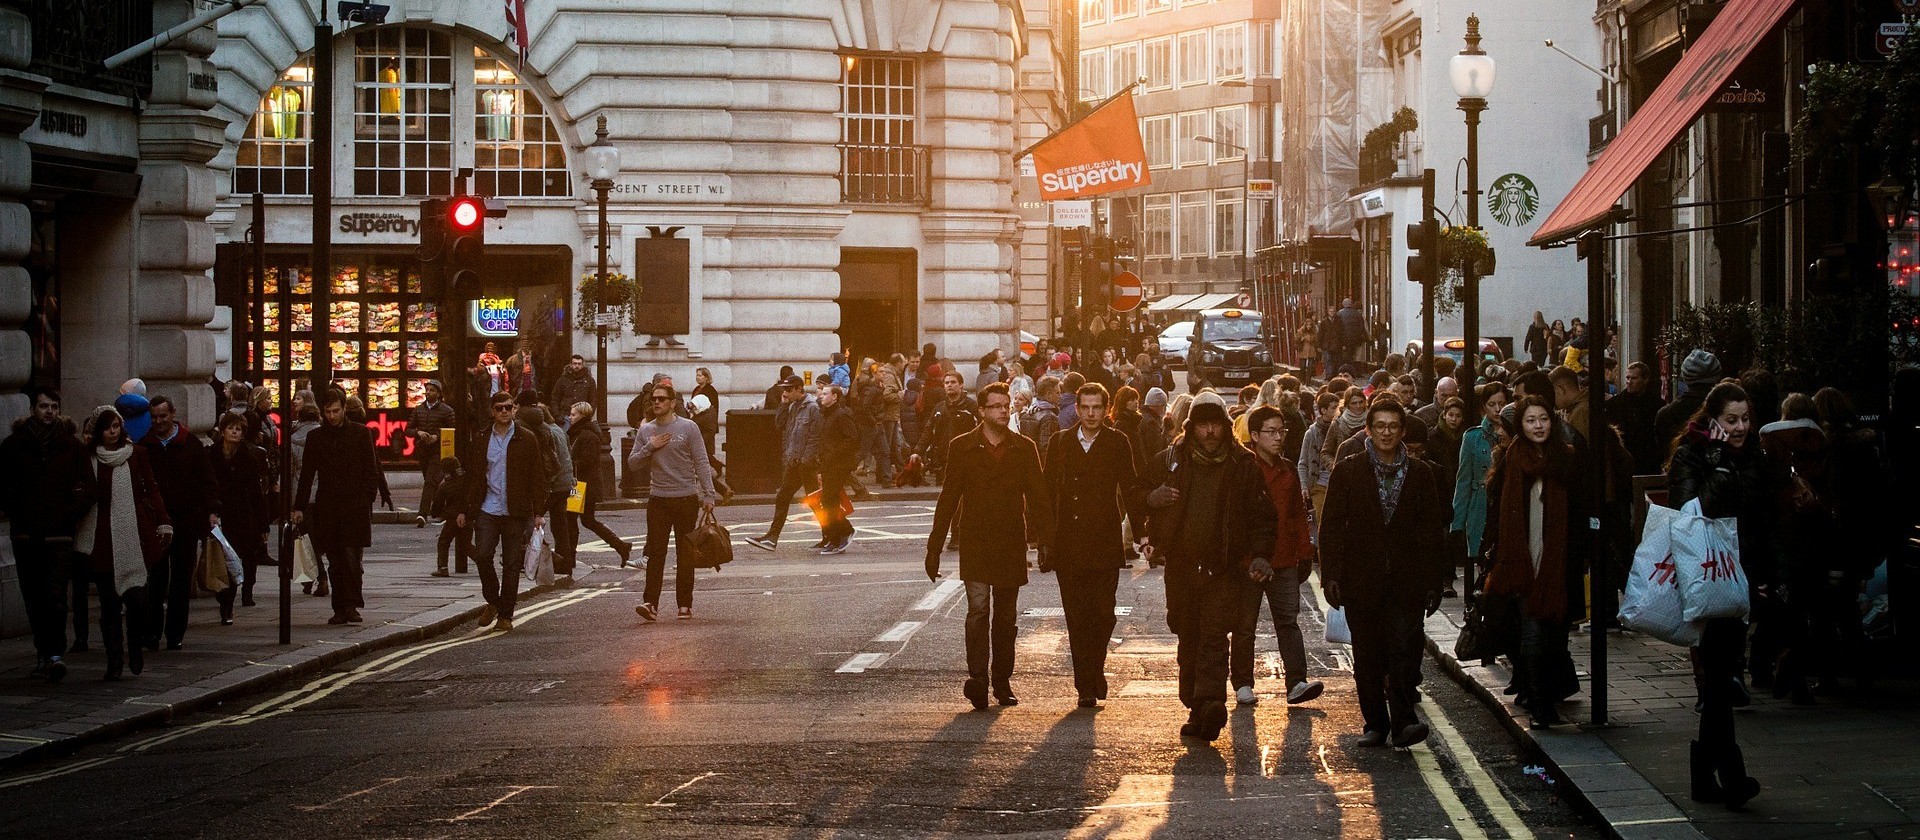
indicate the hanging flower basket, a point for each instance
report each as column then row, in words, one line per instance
column 614, row 296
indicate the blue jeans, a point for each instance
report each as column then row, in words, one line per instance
column 510, row 534
column 876, row 442
column 1282, row 595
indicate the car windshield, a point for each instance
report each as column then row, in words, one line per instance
column 1233, row 329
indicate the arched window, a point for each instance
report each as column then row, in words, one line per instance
column 400, row 96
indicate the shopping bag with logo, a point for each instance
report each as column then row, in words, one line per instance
column 306, row 564
column 577, row 499
column 709, row 546
column 210, row 570
column 1707, row 554
column 1337, row 631
column 539, row 556
column 1653, row 602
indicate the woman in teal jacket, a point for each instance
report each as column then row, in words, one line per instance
column 1476, row 460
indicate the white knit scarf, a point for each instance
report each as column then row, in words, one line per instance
column 129, row 558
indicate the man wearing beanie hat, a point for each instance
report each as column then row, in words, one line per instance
column 1700, row 371
column 1213, row 527
column 1380, row 550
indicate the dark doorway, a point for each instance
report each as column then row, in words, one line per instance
column 879, row 302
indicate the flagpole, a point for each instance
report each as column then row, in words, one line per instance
column 1062, row 129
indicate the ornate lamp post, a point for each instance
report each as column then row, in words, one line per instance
column 1472, row 72
column 603, row 163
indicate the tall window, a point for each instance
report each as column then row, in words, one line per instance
column 1194, row 60
column 1093, row 74
column 1194, row 231
column 1158, row 134
column 1123, row 63
column 1158, row 226
column 878, row 104
column 403, row 112
column 1157, row 5
column 1092, row 12
column 516, row 149
column 1159, row 63
column 1191, row 125
column 1228, row 235
column 273, row 154
column 1230, row 51
column 1229, row 126
column 1126, row 9
column 1263, row 50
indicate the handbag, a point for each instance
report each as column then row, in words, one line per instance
column 1338, row 633
column 306, row 564
column 1476, row 641
column 709, row 546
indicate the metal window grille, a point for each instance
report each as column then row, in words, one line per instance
column 879, row 161
column 273, row 153
column 403, row 112
column 516, row 150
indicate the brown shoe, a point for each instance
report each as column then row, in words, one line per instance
column 487, row 614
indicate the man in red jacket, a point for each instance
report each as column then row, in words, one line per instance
column 1292, row 557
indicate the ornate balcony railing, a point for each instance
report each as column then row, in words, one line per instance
column 871, row 174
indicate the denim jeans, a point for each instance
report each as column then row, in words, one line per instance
column 993, row 614
column 876, row 442
column 1281, row 593
column 510, row 535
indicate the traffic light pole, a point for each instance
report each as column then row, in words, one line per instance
column 1427, row 288
column 320, row 181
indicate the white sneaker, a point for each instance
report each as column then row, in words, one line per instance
column 763, row 543
column 1304, row 691
column 1245, row 696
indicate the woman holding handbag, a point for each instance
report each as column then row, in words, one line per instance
column 122, row 537
column 1536, row 550
column 241, row 468
column 1717, row 459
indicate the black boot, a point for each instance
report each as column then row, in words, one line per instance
column 113, row 665
column 1736, row 787
column 1700, row 765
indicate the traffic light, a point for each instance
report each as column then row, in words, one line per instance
column 466, row 242
column 1096, row 280
column 1423, row 247
column 433, row 245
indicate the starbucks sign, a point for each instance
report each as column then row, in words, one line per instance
column 1513, row 199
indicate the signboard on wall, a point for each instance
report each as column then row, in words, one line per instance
column 495, row 316
column 1073, row 214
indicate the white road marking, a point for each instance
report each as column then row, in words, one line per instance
column 1482, row 782
column 900, row 632
column 662, row 801
column 861, row 662
column 933, row 600
column 358, row 793
column 516, row 791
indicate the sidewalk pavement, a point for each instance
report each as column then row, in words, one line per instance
column 1844, row 767
column 404, row 604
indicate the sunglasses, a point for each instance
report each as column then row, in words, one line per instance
column 663, row 399
column 503, row 407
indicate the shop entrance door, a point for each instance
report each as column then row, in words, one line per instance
column 879, row 302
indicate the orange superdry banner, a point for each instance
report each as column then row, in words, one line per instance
column 1095, row 156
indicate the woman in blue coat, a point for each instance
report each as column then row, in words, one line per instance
column 1476, row 461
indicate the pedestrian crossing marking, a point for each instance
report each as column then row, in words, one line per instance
column 900, row 632
column 861, row 662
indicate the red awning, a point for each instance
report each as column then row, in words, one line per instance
column 1702, row 71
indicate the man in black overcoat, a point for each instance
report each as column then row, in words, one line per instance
column 183, row 468
column 340, row 456
column 1093, row 483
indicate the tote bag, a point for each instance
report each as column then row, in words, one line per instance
column 1653, row 601
column 1707, row 554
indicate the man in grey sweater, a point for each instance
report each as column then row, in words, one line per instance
column 681, row 490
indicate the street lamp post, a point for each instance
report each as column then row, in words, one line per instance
column 1246, row 256
column 1472, row 72
column 603, row 163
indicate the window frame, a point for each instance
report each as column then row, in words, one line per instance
column 1147, row 48
column 1156, row 242
column 1148, row 126
column 1226, row 37
column 1118, row 82
column 1183, row 139
column 1233, row 200
column 1205, row 61
column 1093, row 75
column 1093, row 12
column 1197, row 200
column 1225, row 154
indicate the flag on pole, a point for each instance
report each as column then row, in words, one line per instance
column 517, row 25
column 1100, row 154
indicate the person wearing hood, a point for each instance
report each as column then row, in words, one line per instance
column 1718, row 461
column 1150, row 435
column 49, row 485
column 838, row 372
column 1699, row 371
column 1213, row 527
column 1381, row 556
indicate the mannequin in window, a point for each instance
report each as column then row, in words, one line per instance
column 497, row 108
column 390, row 90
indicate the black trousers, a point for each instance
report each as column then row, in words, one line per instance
column 831, row 490
column 1087, row 596
column 1722, row 642
column 993, row 614
column 457, row 538
column 793, row 479
column 677, row 515
column 345, row 569
column 43, row 586
column 599, row 529
column 566, row 533
column 78, row 579
column 1202, row 609
column 430, row 476
column 113, row 633
column 1388, row 639
column 170, row 588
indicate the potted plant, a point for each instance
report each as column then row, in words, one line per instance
column 616, row 295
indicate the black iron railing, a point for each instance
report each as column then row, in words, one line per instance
column 871, row 174
column 72, row 37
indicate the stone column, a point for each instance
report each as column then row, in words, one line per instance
column 173, row 292
column 20, row 93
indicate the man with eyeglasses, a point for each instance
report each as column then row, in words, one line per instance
column 1279, row 586
column 505, row 506
column 680, row 490
column 1381, row 559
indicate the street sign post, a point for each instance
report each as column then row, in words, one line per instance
column 1127, row 292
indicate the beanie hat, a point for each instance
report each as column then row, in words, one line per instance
column 1060, row 360
column 1415, row 431
column 1156, row 397
column 1700, row 366
column 1207, row 410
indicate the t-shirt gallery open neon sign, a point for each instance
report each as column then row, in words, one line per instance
column 496, row 316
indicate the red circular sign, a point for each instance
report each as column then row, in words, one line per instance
column 1127, row 292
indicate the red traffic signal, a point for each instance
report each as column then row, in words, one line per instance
column 465, row 213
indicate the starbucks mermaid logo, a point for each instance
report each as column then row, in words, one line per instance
column 1513, row 200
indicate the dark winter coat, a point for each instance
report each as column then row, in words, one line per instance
column 45, row 489
column 947, row 420
column 1374, row 560
column 339, row 511
column 529, row 473
column 592, row 458
column 1635, row 415
column 1090, row 490
column 839, row 438
column 243, row 488
column 569, row 389
column 1002, row 504
column 1865, row 506
column 1739, row 483
column 184, row 469
column 429, row 419
column 1247, row 521
column 1149, row 437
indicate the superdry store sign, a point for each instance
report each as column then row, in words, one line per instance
column 1097, row 155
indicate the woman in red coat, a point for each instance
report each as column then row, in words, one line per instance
column 123, row 536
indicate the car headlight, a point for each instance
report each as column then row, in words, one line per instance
column 1262, row 355
column 1213, row 357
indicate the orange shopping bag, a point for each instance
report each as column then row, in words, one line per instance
column 812, row 501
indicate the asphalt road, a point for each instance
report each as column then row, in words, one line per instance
column 808, row 697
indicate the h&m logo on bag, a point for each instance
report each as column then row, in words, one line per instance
column 1664, row 572
column 1719, row 565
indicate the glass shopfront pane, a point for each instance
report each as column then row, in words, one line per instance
column 383, row 317
column 344, row 316
column 383, row 355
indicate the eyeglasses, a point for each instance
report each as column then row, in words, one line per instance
column 1270, row 431
column 503, row 407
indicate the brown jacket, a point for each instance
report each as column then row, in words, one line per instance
column 1002, row 504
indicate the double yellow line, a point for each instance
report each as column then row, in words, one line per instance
column 315, row 691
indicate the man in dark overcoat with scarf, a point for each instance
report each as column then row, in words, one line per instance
column 1093, row 483
column 995, row 486
column 340, row 457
